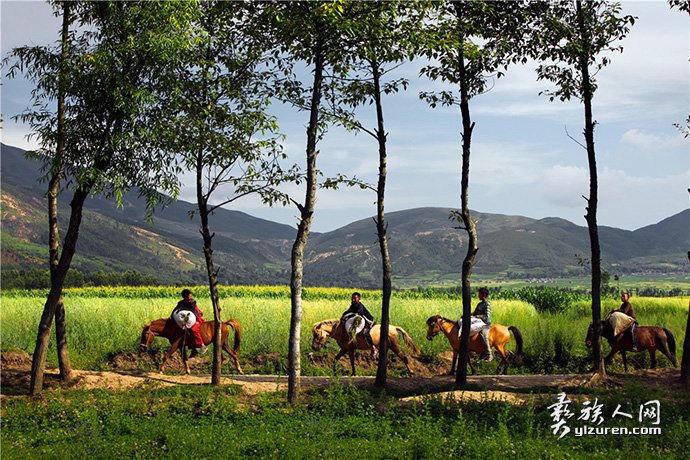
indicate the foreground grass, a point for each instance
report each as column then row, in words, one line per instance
column 340, row 422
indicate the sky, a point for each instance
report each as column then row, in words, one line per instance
column 523, row 160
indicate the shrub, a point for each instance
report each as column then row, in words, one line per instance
column 544, row 299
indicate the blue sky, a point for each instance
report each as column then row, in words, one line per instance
column 523, row 162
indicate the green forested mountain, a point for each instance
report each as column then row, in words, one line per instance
column 424, row 244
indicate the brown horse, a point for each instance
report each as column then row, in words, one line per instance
column 649, row 338
column 498, row 337
column 335, row 329
column 166, row 327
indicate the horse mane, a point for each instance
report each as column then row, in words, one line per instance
column 327, row 322
column 435, row 318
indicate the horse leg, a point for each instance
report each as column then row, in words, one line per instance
column 395, row 346
column 652, row 356
column 352, row 360
column 625, row 361
column 234, row 356
column 183, row 352
column 340, row 354
column 504, row 361
column 455, row 359
column 609, row 357
column 469, row 361
column 168, row 354
column 663, row 348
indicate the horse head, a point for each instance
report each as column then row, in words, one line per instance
column 320, row 333
column 589, row 340
column 434, row 326
column 590, row 336
column 147, row 336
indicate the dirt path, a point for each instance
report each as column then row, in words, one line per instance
column 16, row 370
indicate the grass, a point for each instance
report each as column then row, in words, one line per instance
column 100, row 327
column 207, row 422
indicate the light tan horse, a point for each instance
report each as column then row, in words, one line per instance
column 335, row 329
column 166, row 327
column 498, row 337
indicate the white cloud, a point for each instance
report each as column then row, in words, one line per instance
column 564, row 185
column 646, row 140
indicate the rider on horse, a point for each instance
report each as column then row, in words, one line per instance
column 189, row 304
column 627, row 309
column 483, row 312
column 358, row 308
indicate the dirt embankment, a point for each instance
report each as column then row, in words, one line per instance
column 16, row 369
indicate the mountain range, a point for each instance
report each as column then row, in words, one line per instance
column 425, row 246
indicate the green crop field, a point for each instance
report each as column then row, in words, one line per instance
column 201, row 421
column 105, row 322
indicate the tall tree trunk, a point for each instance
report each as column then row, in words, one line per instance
column 469, row 225
column 382, row 370
column 202, row 203
column 685, row 361
column 57, row 282
column 53, row 190
column 58, row 275
column 592, row 201
column 303, row 229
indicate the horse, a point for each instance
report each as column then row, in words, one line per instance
column 498, row 337
column 335, row 329
column 166, row 327
column 649, row 338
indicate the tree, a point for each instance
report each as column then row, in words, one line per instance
column 309, row 33
column 471, row 41
column 684, row 5
column 382, row 32
column 574, row 36
column 219, row 126
column 117, row 65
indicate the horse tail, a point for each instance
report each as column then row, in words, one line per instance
column 237, row 327
column 518, row 340
column 408, row 340
column 671, row 342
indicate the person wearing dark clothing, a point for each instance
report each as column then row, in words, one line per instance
column 483, row 312
column 627, row 308
column 358, row 308
column 189, row 304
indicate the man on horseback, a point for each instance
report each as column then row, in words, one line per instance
column 358, row 308
column 627, row 309
column 188, row 304
column 483, row 312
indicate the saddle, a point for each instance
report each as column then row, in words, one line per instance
column 476, row 325
column 184, row 319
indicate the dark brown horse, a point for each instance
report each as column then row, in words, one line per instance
column 649, row 338
column 498, row 337
column 166, row 327
column 335, row 329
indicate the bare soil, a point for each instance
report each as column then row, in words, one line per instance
column 126, row 373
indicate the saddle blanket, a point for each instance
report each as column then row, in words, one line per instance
column 620, row 322
column 184, row 319
column 476, row 325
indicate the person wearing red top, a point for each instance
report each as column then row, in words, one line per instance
column 189, row 304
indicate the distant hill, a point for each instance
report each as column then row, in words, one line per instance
column 425, row 245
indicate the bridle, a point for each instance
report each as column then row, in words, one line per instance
column 435, row 327
column 150, row 336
